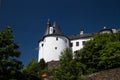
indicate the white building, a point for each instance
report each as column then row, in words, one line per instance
column 54, row 42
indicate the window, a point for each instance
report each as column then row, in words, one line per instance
column 83, row 43
column 53, row 31
column 55, row 48
column 42, row 45
column 71, row 44
column 56, row 38
column 65, row 40
column 77, row 43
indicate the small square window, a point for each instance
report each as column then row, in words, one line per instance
column 77, row 43
column 83, row 43
column 66, row 40
column 71, row 44
column 55, row 48
column 42, row 45
column 57, row 38
column 53, row 31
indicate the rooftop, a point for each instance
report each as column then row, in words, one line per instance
column 78, row 36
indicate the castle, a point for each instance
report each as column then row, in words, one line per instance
column 54, row 41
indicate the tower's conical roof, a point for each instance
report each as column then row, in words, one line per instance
column 48, row 26
column 56, row 29
column 53, row 30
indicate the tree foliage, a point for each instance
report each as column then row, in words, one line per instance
column 35, row 69
column 32, row 67
column 100, row 53
column 9, row 65
column 42, row 64
column 69, row 68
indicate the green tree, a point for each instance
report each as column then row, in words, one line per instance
column 42, row 64
column 69, row 68
column 35, row 69
column 100, row 53
column 9, row 65
column 32, row 67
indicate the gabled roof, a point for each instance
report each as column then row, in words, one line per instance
column 78, row 36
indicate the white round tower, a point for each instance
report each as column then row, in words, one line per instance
column 52, row 43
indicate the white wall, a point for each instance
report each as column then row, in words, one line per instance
column 52, row 48
column 40, row 56
column 80, row 41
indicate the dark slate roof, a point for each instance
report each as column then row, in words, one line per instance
column 79, row 36
column 106, row 29
column 47, row 29
column 55, row 27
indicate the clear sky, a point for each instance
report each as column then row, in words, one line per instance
column 28, row 19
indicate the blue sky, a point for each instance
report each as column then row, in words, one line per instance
column 28, row 19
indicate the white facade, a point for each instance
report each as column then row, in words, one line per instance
column 54, row 42
column 77, row 44
column 51, row 47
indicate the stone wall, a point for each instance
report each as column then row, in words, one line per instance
column 53, row 64
column 112, row 74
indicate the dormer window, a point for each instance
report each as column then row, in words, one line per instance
column 51, row 30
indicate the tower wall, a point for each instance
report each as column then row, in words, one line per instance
column 51, row 47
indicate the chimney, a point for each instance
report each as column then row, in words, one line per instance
column 114, row 30
column 104, row 27
column 81, row 31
